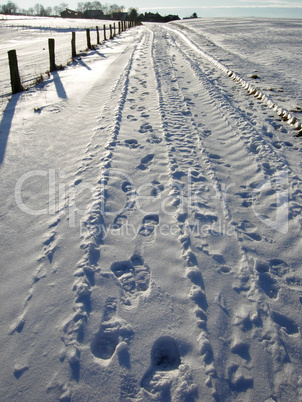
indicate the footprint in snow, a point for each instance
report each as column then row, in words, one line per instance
column 279, row 267
column 287, row 324
column 215, row 156
column 148, row 225
column 164, row 358
column 131, row 117
column 145, row 128
column 239, row 379
column 157, row 188
column 131, row 144
column 246, row 197
column 146, row 162
column 265, row 281
column 154, row 139
column 134, row 278
column 129, row 189
column 112, row 332
column 119, row 221
column 167, row 378
column 250, row 230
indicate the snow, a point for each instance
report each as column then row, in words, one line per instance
column 29, row 37
column 151, row 219
column 268, row 48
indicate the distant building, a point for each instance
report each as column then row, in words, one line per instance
column 95, row 14
column 71, row 14
column 120, row 16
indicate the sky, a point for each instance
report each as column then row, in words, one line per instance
column 203, row 8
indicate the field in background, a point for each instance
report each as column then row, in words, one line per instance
column 29, row 37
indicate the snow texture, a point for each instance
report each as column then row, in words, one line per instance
column 151, row 218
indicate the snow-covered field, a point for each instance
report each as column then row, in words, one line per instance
column 267, row 48
column 151, row 220
column 29, row 37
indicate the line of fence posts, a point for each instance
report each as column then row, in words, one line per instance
column 12, row 55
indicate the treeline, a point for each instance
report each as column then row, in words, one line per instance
column 11, row 8
column 155, row 17
column 100, row 10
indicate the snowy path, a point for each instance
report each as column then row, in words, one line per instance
column 178, row 277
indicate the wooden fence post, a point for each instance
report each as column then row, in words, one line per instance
column 119, row 27
column 114, row 29
column 104, row 32
column 51, row 48
column 97, row 35
column 88, row 38
column 73, row 45
column 14, row 72
column 110, row 27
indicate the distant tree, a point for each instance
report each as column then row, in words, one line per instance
column 48, row 11
column 63, row 6
column 40, row 10
column 105, row 8
column 170, row 17
column 80, row 7
column 194, row 15
column 88, row 5
column 132, row 14
column 37, row 8
column 9, row 8
column 56, row 10
column 96, row 5
column 114, row 8
column 30, row 11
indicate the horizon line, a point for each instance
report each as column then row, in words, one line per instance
column 216, row 7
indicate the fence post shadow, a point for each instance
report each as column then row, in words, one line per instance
column 81, row 62
column 6, row 123
column 59, row 86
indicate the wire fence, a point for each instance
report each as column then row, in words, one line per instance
column 41, row 54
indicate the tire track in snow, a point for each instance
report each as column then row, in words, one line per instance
column 262, row 283
column 206, row 216
column 283, row 113
column 133, row 275
column 114, row 335
column 177, row 128
column 262, row 145
column 277, row 162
